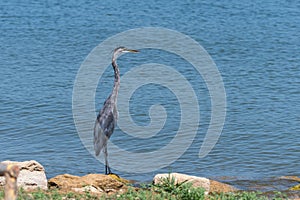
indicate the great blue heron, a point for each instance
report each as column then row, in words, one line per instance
column 108, row 115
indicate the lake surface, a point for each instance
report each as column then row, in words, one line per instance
column 255, row 46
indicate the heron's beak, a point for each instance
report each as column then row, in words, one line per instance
column 132, row 50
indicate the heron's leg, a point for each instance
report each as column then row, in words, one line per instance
column 107, row 168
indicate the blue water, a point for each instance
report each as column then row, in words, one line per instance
column 254, row 44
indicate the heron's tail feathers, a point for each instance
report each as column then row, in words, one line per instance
column 100, row 139
column 97, row 148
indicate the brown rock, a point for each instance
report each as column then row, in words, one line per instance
column 295, row 188
column 293, row 178
column 32, row 175
column 219, row 187
column 95, row 183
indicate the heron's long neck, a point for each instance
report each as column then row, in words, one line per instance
column 117, row 80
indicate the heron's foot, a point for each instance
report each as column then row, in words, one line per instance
column 113, row 175
column 118, row 178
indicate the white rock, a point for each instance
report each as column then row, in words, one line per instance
column 32, row 175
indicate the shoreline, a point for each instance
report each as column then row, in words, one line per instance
column 32, row 176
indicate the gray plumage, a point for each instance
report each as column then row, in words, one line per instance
column 108, row 115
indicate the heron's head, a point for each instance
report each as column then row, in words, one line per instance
column 121, row 50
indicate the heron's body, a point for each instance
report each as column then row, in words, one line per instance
column 108, row 115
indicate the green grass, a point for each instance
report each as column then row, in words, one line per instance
column 51, row 195
column 167, row 189
column 247, row 196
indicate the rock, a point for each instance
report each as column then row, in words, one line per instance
column 219, row 187
column 32, row 175
column 292, row 178
column 94, row 183
column 295, row 188
column 209, row 185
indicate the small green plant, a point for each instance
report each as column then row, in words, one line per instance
column 187, row 192
column 279, row 196
column 183, row 190
column 167, row 185
column 39, row 195
column 71, row 195
column 1, row 194
column 89, row 196
column 132, row 194
column 55, row 195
